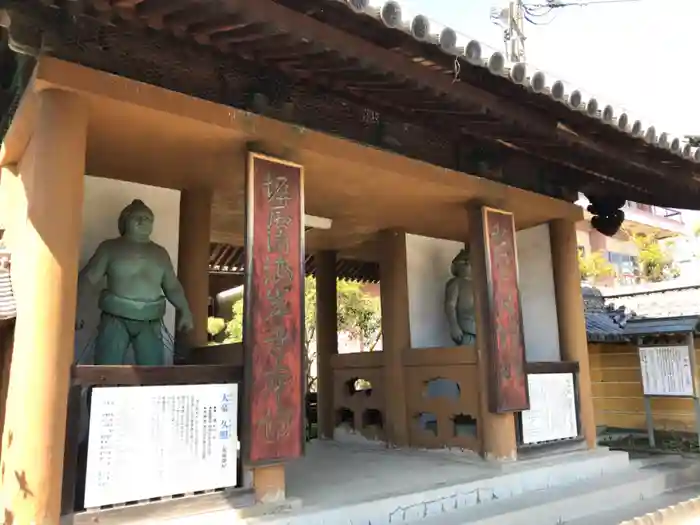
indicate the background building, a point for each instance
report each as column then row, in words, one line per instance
column 665, row 224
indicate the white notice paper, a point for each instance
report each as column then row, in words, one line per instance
column 666, row 371
column 152, row 441
column 552, row 414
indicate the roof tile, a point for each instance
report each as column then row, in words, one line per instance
column 402, row 17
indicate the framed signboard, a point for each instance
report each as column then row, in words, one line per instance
column 508, row 390
column 552, row 415
column 153, row 441
column 273, row 332
column 667, row 371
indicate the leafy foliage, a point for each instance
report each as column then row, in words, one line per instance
column 655, row 261
column 215, row 326
column 359, row 316
column 594, row 265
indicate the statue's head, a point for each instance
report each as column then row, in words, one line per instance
column 136, row 221
column 461, row 266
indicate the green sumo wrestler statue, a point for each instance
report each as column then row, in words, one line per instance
column 459, row 300
column 140, row 277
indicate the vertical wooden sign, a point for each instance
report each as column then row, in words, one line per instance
column 273, row 423
column 508, row 390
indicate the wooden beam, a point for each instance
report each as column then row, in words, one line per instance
column 90, row 375
column 384, row 60
column 170, row 52
column 542, row 123
column 555, row 158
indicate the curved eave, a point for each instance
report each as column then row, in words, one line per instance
column 315, row 63
column 556, row 96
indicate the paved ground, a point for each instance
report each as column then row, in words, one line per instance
column 344, row 473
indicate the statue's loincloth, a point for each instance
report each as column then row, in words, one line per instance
column 131, row 309
column 128, row 323
column 467, row 325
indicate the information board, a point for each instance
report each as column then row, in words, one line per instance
column 152, row 441
column 552, row 414
column 666, row 371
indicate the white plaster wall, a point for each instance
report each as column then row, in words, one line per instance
column 428, row 262
column 104, row 200
column 539, row 306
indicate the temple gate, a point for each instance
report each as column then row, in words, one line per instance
column 252, row 123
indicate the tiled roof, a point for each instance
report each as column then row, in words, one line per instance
column 602, row 324
column 668, row 325
column 675, row 302
column 395, row 15
column 607, row 318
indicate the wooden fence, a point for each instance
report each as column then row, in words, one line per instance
column 617, row 392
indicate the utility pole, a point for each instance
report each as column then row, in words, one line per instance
column 515, row 34
column 512, row 20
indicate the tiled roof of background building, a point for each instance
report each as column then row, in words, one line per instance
column 602, row 324
column 674, row 302
column 606, row 317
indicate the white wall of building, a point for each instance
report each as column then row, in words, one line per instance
column 104, row 200
column 428, row 263
column 540, row 322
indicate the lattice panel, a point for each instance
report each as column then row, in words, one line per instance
column 443, row 406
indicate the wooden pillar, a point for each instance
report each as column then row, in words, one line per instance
column 326, row 339
column 572, row 322
column 498, row 438
column 46, row 262
column 396, row 334
column 269, row 484
column 193, row 259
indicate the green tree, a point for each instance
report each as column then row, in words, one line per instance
column 594, row 265
column 655, row 261
column 359, row 316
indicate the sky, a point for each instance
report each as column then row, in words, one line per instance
column 637, row 56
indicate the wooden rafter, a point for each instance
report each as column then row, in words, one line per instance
column 309, row 58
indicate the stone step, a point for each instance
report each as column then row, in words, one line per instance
column 639, row 508
column 644, row 480
column 514, row 481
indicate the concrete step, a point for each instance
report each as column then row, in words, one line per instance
column 639, row 508
column 644, row 480
column 514, row 481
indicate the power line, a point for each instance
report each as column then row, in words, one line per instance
column 513, row 18
column 554, row 4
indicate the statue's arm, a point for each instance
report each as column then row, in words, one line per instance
column 172, row 288
column 451, row 299
column 96, row 268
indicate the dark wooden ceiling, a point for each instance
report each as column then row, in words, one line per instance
column 319, row 65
